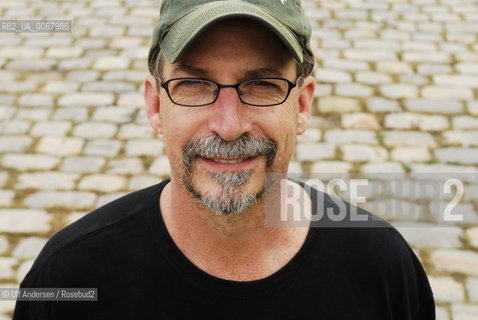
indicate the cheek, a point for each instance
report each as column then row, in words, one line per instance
column 281, row 124
column 172, row 131
column 179, row 127
column 175, row 138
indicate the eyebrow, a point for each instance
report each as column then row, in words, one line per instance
column 190, row 70
column 263, row 72
column 200, row 72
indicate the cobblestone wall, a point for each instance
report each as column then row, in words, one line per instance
column 397, row 92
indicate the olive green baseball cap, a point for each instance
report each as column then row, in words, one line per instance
column 181, row 21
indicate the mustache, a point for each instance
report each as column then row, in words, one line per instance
column 245, row 146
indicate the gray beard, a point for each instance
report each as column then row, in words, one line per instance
column 231, row 199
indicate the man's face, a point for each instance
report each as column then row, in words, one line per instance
column 220, row 153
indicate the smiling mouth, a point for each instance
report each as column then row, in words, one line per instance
column 229, row 161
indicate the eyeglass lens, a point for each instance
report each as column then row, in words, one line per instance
column 197, row 92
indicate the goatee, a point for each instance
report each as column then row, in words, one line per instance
column 232, row 197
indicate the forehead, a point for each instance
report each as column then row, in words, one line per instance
column 237, row 45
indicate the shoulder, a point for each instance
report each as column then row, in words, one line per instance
column 357, row 231
column 372, row 257
column 89, row 232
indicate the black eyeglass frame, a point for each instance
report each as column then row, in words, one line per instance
column 219, row 86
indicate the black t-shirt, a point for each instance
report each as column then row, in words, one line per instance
column 125, row 250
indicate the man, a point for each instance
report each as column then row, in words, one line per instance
column 229, row 90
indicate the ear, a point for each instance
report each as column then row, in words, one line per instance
column 306, row 96
column 151, row 100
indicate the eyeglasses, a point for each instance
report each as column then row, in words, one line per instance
column 259, row 92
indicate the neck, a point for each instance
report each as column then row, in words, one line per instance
column 218, row 243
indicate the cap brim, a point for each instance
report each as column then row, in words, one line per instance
column 191, row 25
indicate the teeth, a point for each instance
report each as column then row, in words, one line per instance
column 229, row 161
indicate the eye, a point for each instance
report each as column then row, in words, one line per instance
column 260, row 83
column 192, row 82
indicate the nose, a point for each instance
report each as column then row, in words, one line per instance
column 230, row 119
